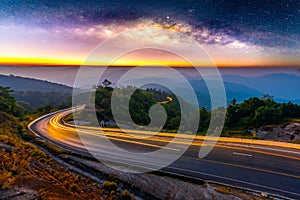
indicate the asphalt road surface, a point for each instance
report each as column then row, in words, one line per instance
column 266, row 167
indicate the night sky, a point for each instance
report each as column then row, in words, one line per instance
column 233, row 32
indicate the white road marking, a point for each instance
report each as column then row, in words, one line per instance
column 241, row 154
column 264, row 148
column 235, row 180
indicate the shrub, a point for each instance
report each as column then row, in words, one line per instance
column 125, row 196
column 5, row 178
column 110, row 186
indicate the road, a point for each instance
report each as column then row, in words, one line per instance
column 269, row 167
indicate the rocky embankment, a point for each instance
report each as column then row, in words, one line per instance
column 286, row 132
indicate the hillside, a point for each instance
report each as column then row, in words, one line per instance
column 34, row 99
column 28, row 172
column 18, row 83
column 33, row 93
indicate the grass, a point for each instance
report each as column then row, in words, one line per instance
column 236, row 192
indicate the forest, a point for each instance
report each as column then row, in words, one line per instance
column 251, row 113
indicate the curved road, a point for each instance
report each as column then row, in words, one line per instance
column 270, row 167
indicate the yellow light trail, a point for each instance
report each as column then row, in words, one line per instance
column 117, row 134
column 55, row 123
column 167, row 137
column 208, row 138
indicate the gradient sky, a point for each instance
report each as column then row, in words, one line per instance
column 233, row 32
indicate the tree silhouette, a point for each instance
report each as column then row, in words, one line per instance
column 106, row 83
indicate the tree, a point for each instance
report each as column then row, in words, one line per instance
column 8, row 103
column 106, row 83
column 267, row 97
column 233, row 102
column 204, row 120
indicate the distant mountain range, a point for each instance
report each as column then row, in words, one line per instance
column 33, row 93
column 283, row 87
column 233, row 90
column 18, row 83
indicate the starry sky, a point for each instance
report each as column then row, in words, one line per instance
column 235, row 33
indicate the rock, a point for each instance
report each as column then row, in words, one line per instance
column 290, row 131
column 19, row 194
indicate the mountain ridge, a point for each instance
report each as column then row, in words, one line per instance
column 280, row 85
column 18, row 83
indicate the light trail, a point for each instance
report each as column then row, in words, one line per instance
column 163, row 137
column 269, row 165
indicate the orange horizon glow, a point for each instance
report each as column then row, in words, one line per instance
column 126, row 63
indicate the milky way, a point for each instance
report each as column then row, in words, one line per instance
column 268, row 31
